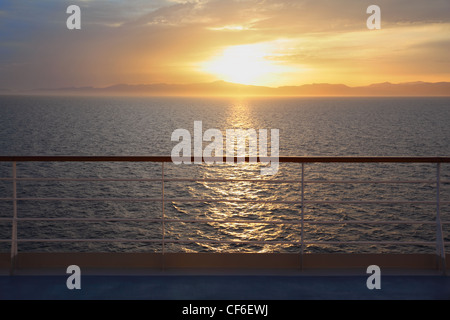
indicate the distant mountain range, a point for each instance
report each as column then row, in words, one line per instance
column 227, row 88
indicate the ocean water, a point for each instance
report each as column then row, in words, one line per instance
column 143, row 126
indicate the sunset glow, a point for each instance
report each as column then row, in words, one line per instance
column 270, row 43
column 246, row 64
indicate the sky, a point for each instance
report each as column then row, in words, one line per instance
column 257, row 42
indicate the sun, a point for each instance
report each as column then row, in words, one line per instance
column 245, row 64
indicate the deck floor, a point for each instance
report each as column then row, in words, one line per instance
column 245, row 286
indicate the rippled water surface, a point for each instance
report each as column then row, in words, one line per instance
column 143, row 126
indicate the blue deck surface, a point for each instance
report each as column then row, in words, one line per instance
column 225, row 287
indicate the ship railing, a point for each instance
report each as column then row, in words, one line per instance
column 439, row 242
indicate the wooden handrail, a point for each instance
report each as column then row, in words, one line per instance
column 294, row 159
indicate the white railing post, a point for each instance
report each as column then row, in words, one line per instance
column 162, row 203
column 14, row 249
column 302, row 216
column 440, row 247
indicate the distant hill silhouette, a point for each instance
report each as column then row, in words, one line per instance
column 227, row 88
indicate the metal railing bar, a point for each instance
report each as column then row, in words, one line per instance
column 90, row 179
column 306, row 181
column 91, row 240
column 240, row 221
column 161, row 220
column 310, row 201
column 430, row 243
column 225, row 180
column 154, row 200
column 295, row 222
column 288, row 159
column 370, row 202
column 229, row 180
column 370, row 181
column 370, row 222
column 93, row 199
column 166, row 241
column 234, row 241
column 234, row 200
column 92, row 219
column 231, row 220
column 365, row 242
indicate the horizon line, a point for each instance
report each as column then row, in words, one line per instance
column 225, row 88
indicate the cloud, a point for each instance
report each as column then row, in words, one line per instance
column 298, row 16
column 163, row 40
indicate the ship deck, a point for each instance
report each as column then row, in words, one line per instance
column 112, row 276
column 227, row 286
